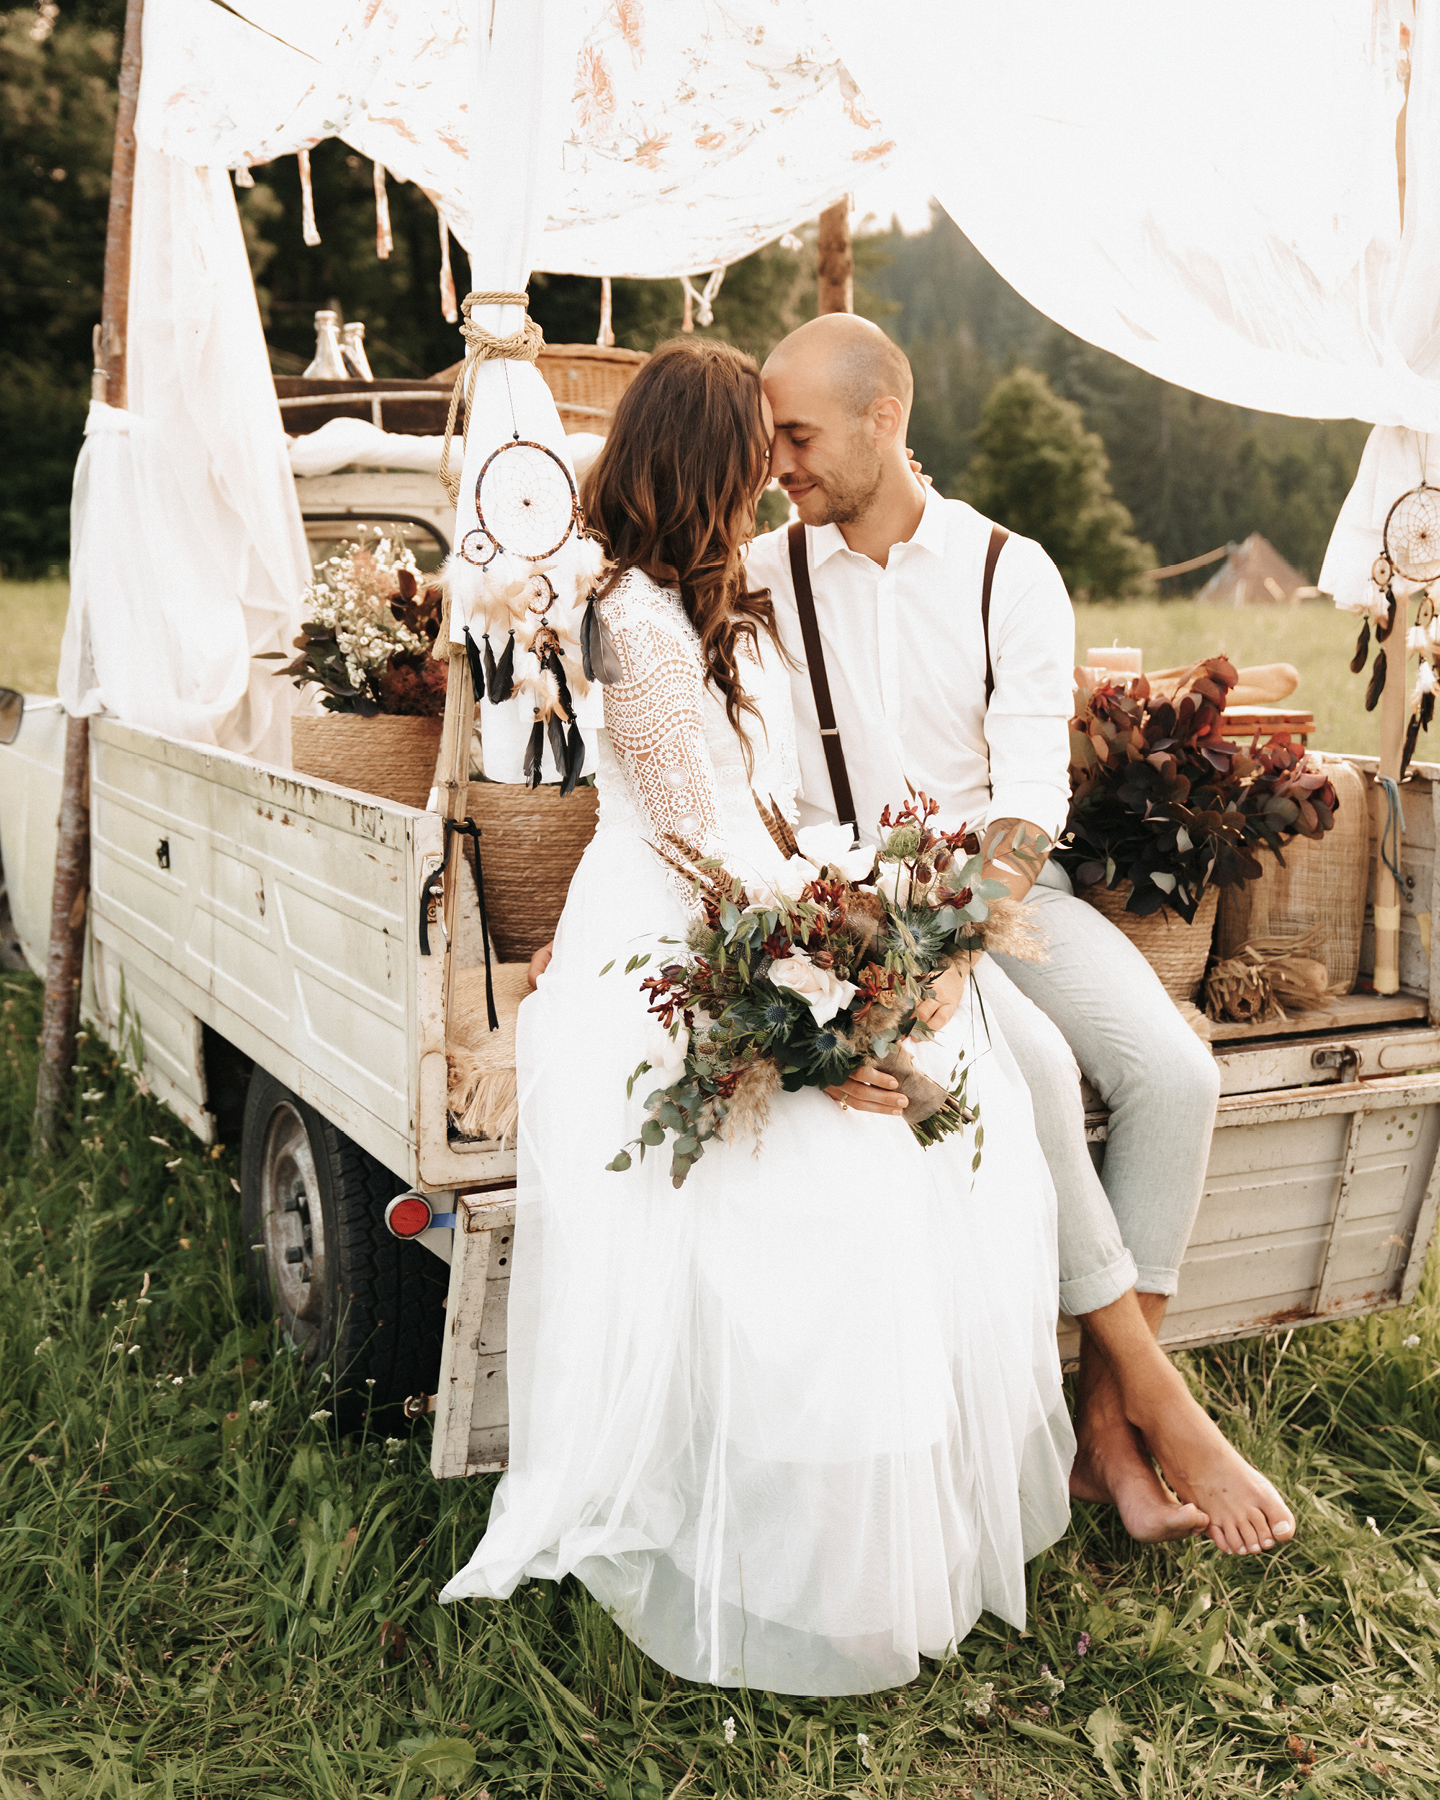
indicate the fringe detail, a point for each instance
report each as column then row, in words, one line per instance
column 308, row 229
column 384, row 240
column 483, row 1101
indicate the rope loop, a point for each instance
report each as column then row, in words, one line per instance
column 481, row 345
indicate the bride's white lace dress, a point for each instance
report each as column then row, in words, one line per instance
column 797, row 1423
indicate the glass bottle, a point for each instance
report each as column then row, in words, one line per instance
column 352, row 345
column 329, row 364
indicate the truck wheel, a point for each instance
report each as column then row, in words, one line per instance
column 355, row 1300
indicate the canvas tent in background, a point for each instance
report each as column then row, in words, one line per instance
column 1253, row 251
column 1256, row 574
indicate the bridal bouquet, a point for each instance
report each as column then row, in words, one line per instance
column 801, row 980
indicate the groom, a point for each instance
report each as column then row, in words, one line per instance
column 922, row 695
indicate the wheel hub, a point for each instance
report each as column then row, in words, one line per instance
column 293, row 1222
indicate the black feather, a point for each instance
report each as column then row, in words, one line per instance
column 598, row 656
column 1427, row 710
column 478, row 673
column 1412, row 734
column 501, row 683
column 1377, row 682
column 556, row 731
column 1383, row 631
column 557, row 669
column 1362, row 649
column 574, row 760
column 534, row 750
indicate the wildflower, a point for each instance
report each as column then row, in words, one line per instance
column 176, row 1164
column 142, row 1301
column 979, row 1698
column 1410, row 1343
column 92, row 1094
column 323, row 1376
column 1053, row 1685
column 44, row 1344
column 369, row 1381
column 134, row 1350
column 259, row 1406
column 319, row 1418
column 862, row 1743
column 1373, row 1526
column 1082, row 1644
column 729, row 1731
column 177, row 1381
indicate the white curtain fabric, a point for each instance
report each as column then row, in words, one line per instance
column 187, row 553
column 1210, row 192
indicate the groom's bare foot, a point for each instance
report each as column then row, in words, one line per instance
column 1245, row 1510
column 1112, row 1466
column 1245, row 1513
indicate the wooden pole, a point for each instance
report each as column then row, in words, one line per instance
column 836, row 260
column 65, row 963
column 1394, row 717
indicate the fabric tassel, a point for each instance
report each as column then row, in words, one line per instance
column 534, row 751
column 308, row 228
column 500, row 676
column 384, row 241
column 1377, row 682
column 447, row 277
column 1362, row 649
column 598, row 656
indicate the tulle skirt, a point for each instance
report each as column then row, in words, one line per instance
column 799, row 1422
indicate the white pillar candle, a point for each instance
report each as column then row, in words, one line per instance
column 1118, row 659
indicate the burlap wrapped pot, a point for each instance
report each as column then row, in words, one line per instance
column 531, row 842
column 1177, row 952
column 1322, row 884
column 390, row 757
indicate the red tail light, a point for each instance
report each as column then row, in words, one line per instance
column 408, row 1215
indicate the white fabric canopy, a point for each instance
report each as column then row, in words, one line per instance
column 685, row 134
column 1210, row 193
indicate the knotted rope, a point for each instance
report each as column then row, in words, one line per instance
column 481, row 345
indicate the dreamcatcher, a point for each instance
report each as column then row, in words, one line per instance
column 1410, row 551
column 528, row 522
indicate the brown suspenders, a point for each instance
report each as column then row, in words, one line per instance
column 815, row 658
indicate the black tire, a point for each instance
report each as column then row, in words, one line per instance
column 356, row 1301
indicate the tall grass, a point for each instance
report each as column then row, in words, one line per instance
column 207, row 1593
column 32, row 621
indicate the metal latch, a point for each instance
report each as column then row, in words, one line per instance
column 1343, row 1057
column 418, row 1406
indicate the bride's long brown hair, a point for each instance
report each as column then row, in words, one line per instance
column 673, row 494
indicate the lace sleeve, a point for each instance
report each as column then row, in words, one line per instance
column 656, row 723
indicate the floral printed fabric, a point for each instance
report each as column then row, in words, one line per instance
column 698, row 129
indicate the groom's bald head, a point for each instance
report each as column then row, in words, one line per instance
column 844, row 356
column 840, row 392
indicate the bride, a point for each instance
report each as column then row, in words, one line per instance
column 798, row 1423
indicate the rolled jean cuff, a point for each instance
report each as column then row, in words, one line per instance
column 1088, row 1293
column 1157, row 1281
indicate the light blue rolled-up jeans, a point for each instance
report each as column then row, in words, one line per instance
column 1096, row 1005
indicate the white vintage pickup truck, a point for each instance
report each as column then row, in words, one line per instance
column 257, row 934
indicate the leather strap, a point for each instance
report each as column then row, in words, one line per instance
column 998, row 535
column 815, row 657
column 819, row 680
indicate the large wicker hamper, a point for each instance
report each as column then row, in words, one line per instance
column 1177, row 952
column 388, row 756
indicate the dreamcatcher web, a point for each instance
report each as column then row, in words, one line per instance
column 1412, row 535
column 525, row 502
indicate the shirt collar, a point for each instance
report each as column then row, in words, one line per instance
column 929, row 534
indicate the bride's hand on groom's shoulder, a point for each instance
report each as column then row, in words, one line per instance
column 539, row 963
column 871, row 1091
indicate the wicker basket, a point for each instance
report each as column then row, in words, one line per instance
column 1322, row 883
column 1177, row 952
column 391, row 757
column 587, row 380
column 531, row 842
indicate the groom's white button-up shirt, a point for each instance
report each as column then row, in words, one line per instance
column 905, row 655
